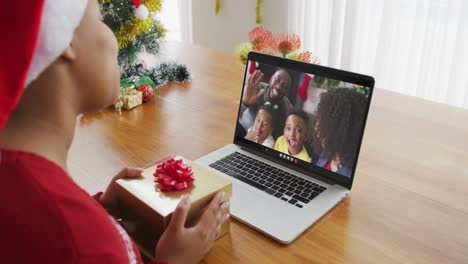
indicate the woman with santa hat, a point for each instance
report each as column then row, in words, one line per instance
column 58, row 60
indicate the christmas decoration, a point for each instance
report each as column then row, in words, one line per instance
column 253, row 66
column 280, row 44
column 134, row 28
column 147, row 91
column 317, row 83
column 161, row 74
column 302, row 91
column 137, row 81
column 258, row 18
column 258, row 15
column 325, row 83
column 217, row 6
column 139, row 75
column 142, row 12
column 137, row 30
column 362, row 89
column 129, row 98
column 173, row 175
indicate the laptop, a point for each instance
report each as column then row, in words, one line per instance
column 296, row 144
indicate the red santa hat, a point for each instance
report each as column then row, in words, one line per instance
column 34, row 33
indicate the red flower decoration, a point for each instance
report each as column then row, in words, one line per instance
column 173, row 175
column 259, row 37
column 285, row 43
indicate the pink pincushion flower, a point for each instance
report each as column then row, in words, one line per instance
column 267, row 50
column 285, row 43
column 305, row 56
column 314, row 60
column 259, row 37
column 280, row 44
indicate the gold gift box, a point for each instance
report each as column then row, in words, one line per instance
column 129, row 98
column 147, row 211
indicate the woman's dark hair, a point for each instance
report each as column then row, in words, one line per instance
column 338, row 124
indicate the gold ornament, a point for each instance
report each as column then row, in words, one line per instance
column 217, row 6
column 258, row 18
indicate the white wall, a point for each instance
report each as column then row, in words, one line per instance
column 234, row 21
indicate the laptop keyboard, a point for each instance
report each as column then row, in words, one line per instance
column 278, row 183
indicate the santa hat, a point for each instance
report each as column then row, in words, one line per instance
column 34, row 34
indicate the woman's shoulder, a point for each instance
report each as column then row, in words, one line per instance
column 45, row 204
column 27, row 170
column 26, row 161
column 31, row 216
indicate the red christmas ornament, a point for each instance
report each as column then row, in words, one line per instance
column 136, row 3
column 173, row 175
column 147, row 91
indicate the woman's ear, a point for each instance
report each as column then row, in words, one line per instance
column 68, row 54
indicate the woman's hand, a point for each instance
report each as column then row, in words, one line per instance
column 109, row 199
column 251, row 92
column 189, row 245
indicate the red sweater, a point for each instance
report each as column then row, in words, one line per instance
column 45, row 217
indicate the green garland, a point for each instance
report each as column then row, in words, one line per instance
column 161, row 74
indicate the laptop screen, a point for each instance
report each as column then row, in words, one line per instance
column 306, row 115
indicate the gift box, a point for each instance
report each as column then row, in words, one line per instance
column 146, row 210
column 137, row 81
column 129, row 98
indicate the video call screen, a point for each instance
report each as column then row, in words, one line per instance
column 310, row 120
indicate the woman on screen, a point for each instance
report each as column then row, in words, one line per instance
column 338, row 127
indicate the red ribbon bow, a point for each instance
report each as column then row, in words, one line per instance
column 173, row 175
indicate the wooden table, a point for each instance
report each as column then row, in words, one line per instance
column 409, row 203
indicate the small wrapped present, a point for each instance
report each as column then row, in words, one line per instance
column 147, row 203
column 129, row 98
column 137, row 81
